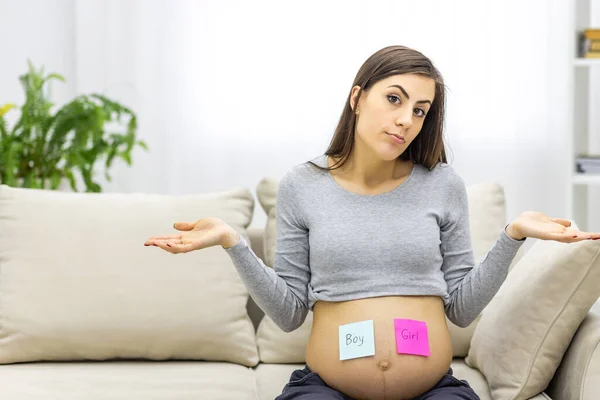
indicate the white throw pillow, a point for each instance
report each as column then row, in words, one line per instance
column 77, row 282
column 487, row 220
column 525, row 330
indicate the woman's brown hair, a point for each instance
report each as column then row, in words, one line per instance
column 428, row 146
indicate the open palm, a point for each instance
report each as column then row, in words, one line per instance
column 538, row 225
column 197, row 235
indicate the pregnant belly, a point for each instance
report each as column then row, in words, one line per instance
column 386, row 374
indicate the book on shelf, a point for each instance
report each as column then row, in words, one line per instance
column 588, row 157
column 592, row 33
column 588, row 164
column 589, row 46
column 588, row 170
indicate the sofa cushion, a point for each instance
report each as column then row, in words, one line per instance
column 271, row 378
column 277, row 346
column 127, row 380
column 525, row 330
column 76, row 281
column 578, row 376
column 487, row 219
column 473, row 377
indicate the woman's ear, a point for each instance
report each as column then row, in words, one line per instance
column 354, row 98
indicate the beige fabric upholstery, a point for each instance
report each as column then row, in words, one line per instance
column 77, row 283
column 527, row 327
column 487, row 219
column 149, row 380
column 473, row 377
column 276, row 346
column 461, row 337
column 127, row 380
column 271, row 378
column 267, row 193
column 578, row 377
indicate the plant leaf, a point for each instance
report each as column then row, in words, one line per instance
column 55, row 180
column 71, row 178
column 142, row 144
column 6, row 108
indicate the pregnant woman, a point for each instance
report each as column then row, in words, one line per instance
column 373, row 237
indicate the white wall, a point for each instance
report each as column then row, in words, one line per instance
column 120, row 50
column 229, row 92
column 42, row 31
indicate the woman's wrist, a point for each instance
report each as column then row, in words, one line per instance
column 512, row 230
column 229, row 238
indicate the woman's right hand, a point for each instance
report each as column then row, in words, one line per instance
column 205, row 232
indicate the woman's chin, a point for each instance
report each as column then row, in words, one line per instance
column 389, row 154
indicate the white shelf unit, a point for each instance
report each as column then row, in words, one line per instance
column 584, row 62
column 586, row 179
column 585, row 135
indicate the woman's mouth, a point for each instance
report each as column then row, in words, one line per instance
column 396, row 137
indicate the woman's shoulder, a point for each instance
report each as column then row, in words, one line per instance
column 443, row 175
column 304, row 173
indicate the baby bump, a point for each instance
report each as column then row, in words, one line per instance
column 380, row 348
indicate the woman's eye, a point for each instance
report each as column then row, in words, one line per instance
column 396, row 100
column 391, row 96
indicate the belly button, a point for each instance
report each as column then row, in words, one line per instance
column 384, row 365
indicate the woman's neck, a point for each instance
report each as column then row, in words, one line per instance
column 369, row 170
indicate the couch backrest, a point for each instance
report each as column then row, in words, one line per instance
column 78, row 283
column 127, row 285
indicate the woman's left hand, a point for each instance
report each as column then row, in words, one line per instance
column 534, row 224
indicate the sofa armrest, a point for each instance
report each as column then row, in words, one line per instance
column 578, row 376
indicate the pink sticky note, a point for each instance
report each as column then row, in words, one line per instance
column 411, row 337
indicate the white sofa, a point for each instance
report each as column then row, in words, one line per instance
column 88, row 312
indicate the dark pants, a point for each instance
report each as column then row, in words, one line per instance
column 305, row 384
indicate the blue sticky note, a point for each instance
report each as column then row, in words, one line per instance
column 357, row 340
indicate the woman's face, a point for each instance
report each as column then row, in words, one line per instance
column 391, row 114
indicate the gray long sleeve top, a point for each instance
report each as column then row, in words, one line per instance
column 335, row 245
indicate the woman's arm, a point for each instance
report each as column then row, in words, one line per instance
column 281, row 292
column 471, row 286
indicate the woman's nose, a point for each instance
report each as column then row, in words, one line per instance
column 404, row 118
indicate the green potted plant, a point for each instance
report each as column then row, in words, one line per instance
column 45, row 148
